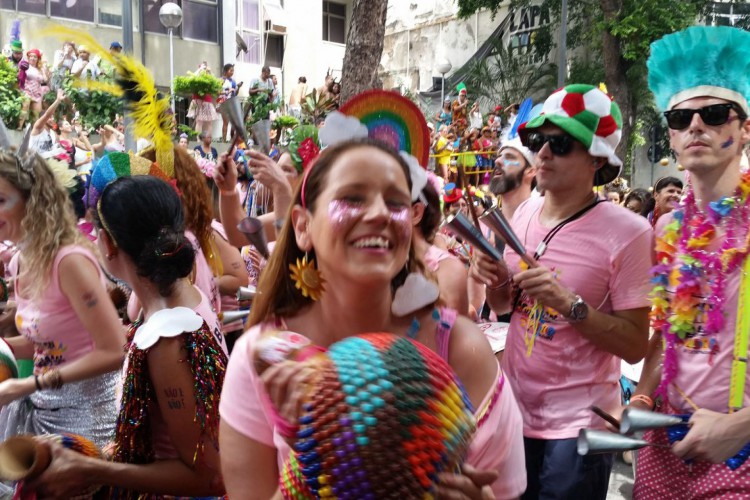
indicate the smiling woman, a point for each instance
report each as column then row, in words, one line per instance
column 64, row 315
column 352, row 216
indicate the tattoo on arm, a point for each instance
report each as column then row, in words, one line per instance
column 236, row 265
column 175, row 398
column 90, row 299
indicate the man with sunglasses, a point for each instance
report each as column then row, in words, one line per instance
column 696, row 365
column 583, row 305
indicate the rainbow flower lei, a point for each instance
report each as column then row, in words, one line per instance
column 688, row 266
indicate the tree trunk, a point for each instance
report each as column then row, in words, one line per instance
column 364, row 47
column 615, row 71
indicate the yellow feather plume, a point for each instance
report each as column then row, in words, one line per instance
column 149, row 110
column 109, row 88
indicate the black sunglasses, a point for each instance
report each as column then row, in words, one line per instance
column 713, row 115
column 560, row 144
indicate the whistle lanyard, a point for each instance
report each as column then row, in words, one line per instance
column 542, row 247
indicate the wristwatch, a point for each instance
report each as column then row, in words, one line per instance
column 579, row 310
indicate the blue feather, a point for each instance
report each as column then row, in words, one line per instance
column 15, row 30
column 523, row 116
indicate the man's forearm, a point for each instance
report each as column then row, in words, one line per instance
column 651, row 372
column 499, row 299
column 619, row 336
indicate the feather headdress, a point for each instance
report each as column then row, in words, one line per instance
column 719, row 62
column 149, row 109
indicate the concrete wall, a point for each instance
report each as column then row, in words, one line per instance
column 306, row 54
column 433, row 32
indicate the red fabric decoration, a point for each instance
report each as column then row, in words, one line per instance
column 573, row 104
column 307, row 150
column 607, row 126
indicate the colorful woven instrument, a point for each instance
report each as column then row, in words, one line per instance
column 8, row 364
column 393, row 119
column 385, row 416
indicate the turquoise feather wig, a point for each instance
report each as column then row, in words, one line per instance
column 701, row 61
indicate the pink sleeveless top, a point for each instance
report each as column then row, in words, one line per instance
column 50, row 322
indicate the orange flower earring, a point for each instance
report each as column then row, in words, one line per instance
column 307, row 279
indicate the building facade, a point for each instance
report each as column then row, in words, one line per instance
column 293, row 37
column 201, row 36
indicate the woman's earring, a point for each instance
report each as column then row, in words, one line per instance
column 416, row 292
column 307, row 279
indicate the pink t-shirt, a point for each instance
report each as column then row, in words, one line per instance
column 497, row 444
column 704, row 362
column 435, row 256
column 50, row 322
column 605, row 257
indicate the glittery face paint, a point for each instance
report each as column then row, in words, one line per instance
column 728, row 143
column 511, row 163
column 401, row 218
column 341, row 213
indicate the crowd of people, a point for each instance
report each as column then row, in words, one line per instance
column 146, row 291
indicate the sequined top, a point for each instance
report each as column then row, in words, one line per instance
column 50, row 322
column 134, row 434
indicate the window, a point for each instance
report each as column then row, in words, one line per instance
column 33, row 6
column 729, row 14
column 274, row 51
column 151, row 22
column 200, row 20
column 248, row 13
column 8, row 4
column 334, row 22
column 79, row 10
column 110, row 12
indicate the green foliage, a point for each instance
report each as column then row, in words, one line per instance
column 506, row 76
column 582, row 71
column 96, row 108
column 635, row 25
column 467, row 8
column 260, row 106
column 285, row 121
column 11, row 99
column 315, row 106
column 184, row 129
column 202, row 84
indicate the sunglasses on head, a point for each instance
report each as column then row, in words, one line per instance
column 713, row 115
column 560, row 144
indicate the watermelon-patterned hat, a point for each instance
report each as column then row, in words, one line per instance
column 591, row 117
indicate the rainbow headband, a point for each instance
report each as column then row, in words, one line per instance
column 382, row 115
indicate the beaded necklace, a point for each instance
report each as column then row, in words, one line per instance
column 685, row 262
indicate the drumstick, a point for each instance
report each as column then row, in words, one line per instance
column 606, row 416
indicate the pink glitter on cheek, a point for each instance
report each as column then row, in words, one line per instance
column 341, row 213
column 402, row 222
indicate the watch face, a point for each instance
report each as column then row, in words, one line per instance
column 579, row 310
